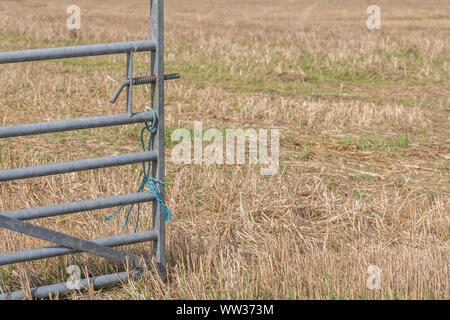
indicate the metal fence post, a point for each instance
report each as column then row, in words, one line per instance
column 157, row 70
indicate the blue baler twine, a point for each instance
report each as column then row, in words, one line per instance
column 147, row 180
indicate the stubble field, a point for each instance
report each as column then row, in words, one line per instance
column 364, row 118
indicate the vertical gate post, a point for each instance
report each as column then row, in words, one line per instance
column 157, row 71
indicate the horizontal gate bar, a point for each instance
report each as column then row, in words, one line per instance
column 56, row 251
column 77, row 51
column 61, row 289
column 78, row 165
column 79, row 206
column 74, row 124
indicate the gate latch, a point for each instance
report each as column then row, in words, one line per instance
column 140, row 80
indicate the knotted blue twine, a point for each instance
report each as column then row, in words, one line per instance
column 147, row 180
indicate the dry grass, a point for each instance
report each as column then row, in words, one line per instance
column 365, row 147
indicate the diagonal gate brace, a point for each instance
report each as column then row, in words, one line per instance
column 69, row 241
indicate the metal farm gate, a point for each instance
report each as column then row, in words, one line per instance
column 66, row 244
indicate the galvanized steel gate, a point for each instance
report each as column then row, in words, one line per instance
column 66, row 244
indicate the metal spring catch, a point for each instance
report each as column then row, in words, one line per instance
column 138, row 81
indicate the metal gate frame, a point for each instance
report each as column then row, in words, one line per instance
column 66, row 244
